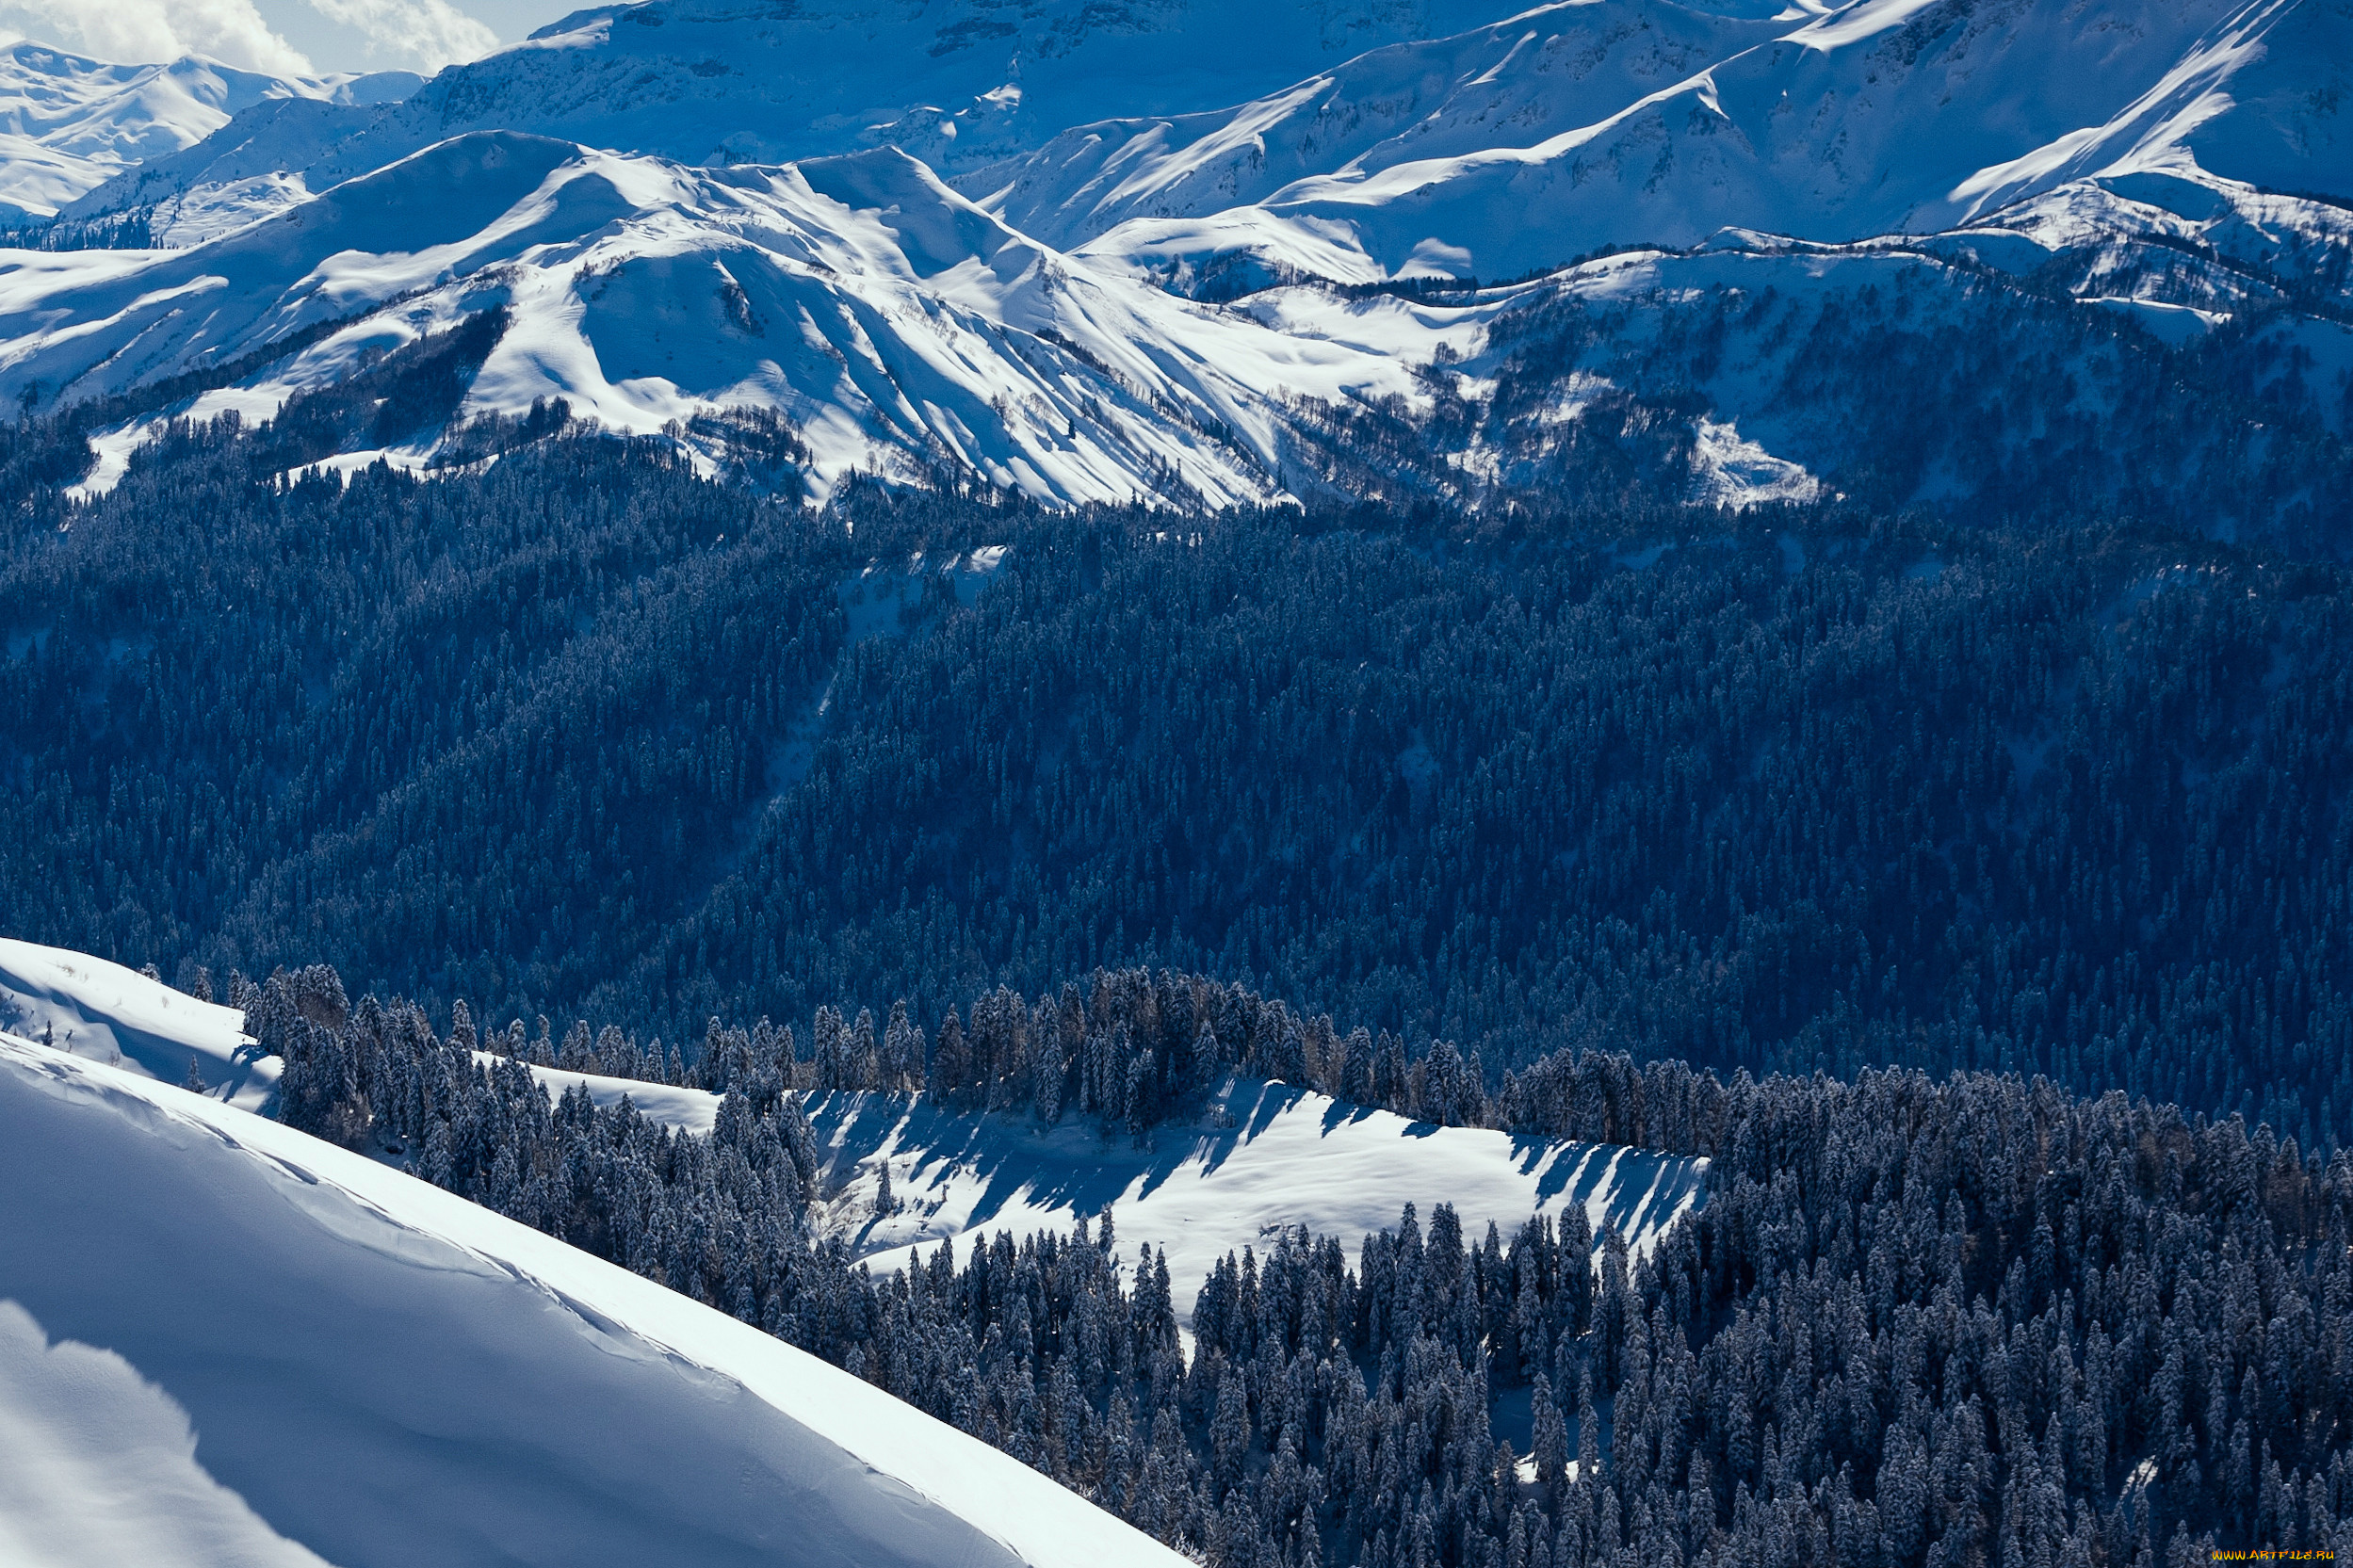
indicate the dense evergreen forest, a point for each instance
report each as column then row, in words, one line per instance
column 584, row 733
column 1975, row 1322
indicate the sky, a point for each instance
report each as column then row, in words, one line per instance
column 284, row 37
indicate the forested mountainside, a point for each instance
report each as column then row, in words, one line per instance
column 1807, row 786
column 1915, row 1322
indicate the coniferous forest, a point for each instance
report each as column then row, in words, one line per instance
column 1968, row 1321
column 1967, row 885
column 1796, row 789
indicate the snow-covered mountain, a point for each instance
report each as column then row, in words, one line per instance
column 1140, row 306
column 68, row 124
column 895, row 322
column 958, row 84
column 222, row 1341
column 1576, row 126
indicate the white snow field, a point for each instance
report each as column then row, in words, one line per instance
column 1288, row 1158
column 88, row 1007
column 278, row 1351
column 98, row 1467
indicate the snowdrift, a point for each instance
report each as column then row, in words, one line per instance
column 286, row 1353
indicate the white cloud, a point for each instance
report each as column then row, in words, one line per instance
column 425, row 32
column 149, row 31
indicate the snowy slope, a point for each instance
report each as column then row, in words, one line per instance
column 277, row 1349
column 1520, row 145
column 894, row 321
column 68, row 124
column 690, row 1111
column 90, row 1008
column 722, row 81
column 1291, row 1156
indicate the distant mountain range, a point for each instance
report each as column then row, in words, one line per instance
column 68, row 124
column 1187, row 250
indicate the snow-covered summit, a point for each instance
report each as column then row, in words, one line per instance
column 957, row 81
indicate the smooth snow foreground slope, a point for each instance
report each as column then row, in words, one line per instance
column 1265, row 1156
column 375, row 1371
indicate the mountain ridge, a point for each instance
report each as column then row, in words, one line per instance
column 1102, row 317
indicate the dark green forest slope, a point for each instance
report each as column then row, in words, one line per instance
column 581, row 733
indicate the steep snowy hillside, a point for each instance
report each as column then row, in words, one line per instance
column 68, row 124
column 1263, row 1157
column 718, row 81
column 223, row 1341
column 1576, row 126
column 895, row 323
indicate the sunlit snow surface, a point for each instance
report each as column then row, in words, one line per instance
column 1029, row 326
column 107, row 1012
column 384, row 1373
column 98, row 1468
column 690, row 1111
column 1198, row 1190
column 1569, row 126
column 69, row 124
